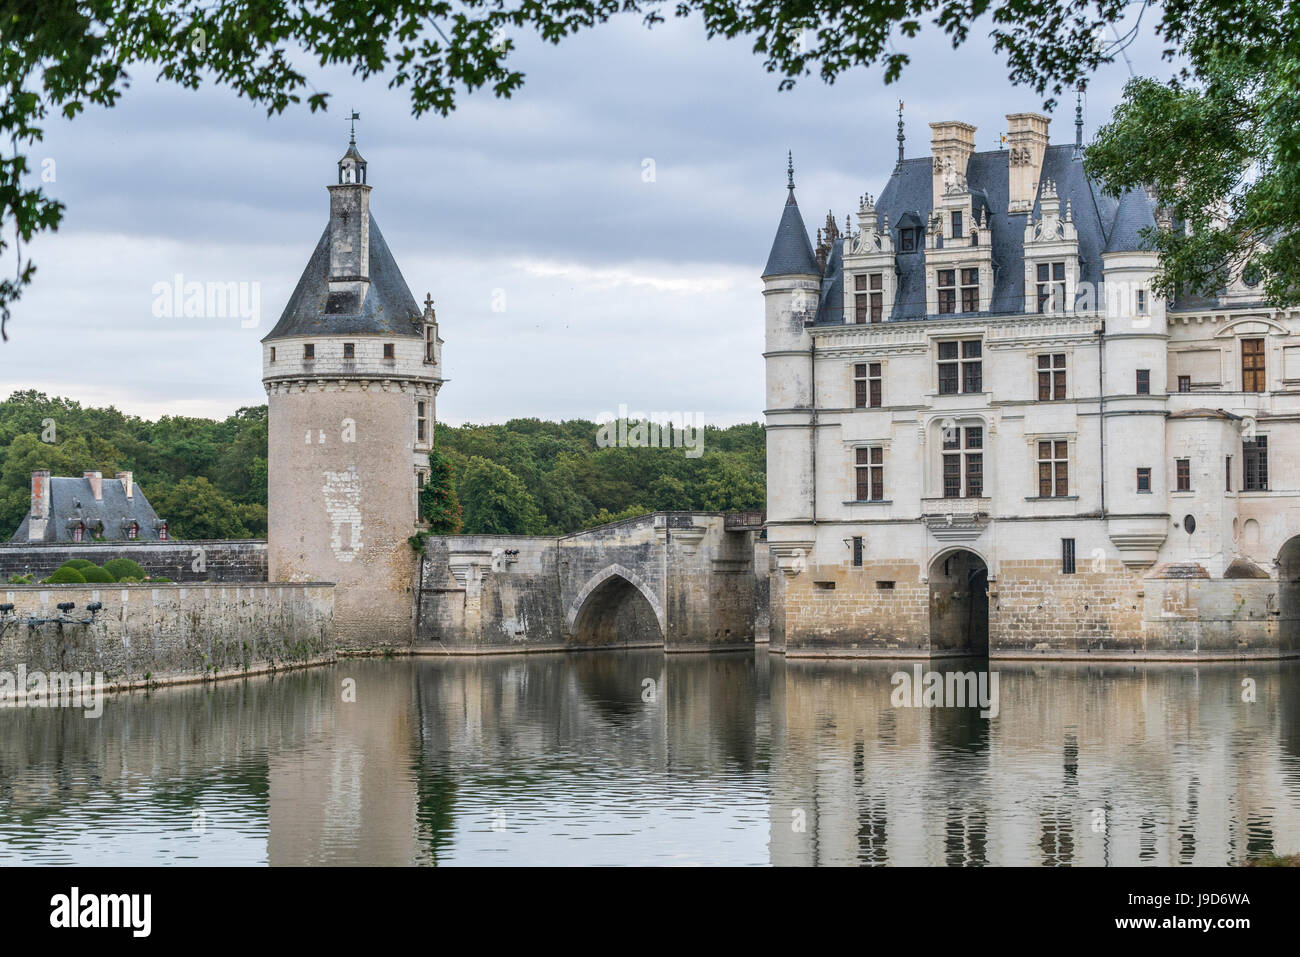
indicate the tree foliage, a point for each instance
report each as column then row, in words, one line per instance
column 439, row 504
column 60, row 56
column 1219, row 144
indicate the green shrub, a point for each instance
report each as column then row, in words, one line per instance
column 97, row 575
column 66, row 576
column 78, row 564
column 160, row 578
column 22, row 579
column 123, row 568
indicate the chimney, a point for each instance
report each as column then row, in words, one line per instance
column 951, row 145
column 1027, row 141
column 96, row 480
column 40, row 515
column 125, row 479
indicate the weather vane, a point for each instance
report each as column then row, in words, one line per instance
column 354, row 117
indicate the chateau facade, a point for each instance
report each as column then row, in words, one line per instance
column 986, row 433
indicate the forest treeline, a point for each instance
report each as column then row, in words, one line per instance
column 207, row 478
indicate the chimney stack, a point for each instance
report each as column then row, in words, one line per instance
column 127, row 486
column 40, row 515
column 1027, row 141
column 96, row 480
column 951, row 145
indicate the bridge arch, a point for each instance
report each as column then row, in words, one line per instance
column 612, row 593
column 959, row 603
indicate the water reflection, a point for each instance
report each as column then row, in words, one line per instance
column 634, row 757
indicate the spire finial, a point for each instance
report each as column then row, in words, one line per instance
column 352, row 140
column 900, row 132
column 1078, row 122
column 789, row 170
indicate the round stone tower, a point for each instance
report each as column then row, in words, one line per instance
column 351, row 372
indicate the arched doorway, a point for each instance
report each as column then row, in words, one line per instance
column 959, row 604
column 615, row 614
column 1288, row 595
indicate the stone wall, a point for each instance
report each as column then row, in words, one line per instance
column 674, row 579
column 239, row 560
column 167, row 631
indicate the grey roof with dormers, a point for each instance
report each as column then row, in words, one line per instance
column 908, row 199
column 388, row 309
column 792, row 253
column 1134, row 215
column 71, row 500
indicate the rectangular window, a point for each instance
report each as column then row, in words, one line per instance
column 388, row 350
column 1143, row 381
column 1252, row 365
column 877, row 297
column 1184, row 383
column 907, row 240
column 1141, row 302
column 1144, row 480
column 421, row 421
column 870, row 469
column 309, row 350
column 857, row 551
column 946, row 280
column 1051, row 377
column 963, row 463
column 956, row 224
column 272, row 353
column 349, row 350
column 1051, row 287
column 970, row 290
column 1183, row 475
column 961, row 367
column 874, row 380
column 428, row 343
column 1255, row 462
column 1227, row 474
column 1053, row 469
column 860, row 385
column 1067, row 556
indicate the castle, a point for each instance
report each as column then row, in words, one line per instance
column 986, row 434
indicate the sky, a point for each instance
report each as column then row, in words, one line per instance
column 593, row 242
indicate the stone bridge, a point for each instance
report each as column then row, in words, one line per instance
column 683, row 581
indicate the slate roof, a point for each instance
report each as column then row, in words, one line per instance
column 908, row 199
column 388, row 309
column 1134, row 215
column 792, row 253
column 71, row 500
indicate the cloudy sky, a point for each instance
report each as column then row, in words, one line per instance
column 617, row 288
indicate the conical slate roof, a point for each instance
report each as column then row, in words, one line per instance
column 1134, row 215
column 388, row 309
column 792, row 253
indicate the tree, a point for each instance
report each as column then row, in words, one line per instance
column 496, row 502
column 61, row 56
column 196, row 509
column 1220, row 147
column 439, row 505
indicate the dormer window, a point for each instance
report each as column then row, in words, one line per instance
column 907, row 239
column 388, row 350
column 309, row 350
column 162, row 532
column 78, row 532
column 349, row 350
column 956, row 223
column 133, row 531
column 1051, row 287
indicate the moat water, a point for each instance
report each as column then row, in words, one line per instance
column 638, row 758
